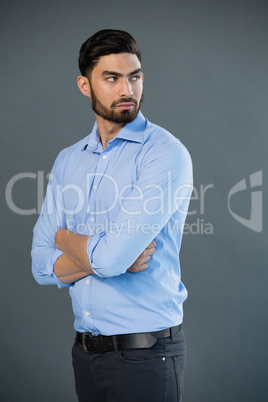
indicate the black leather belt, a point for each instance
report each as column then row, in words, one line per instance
column 102, row 343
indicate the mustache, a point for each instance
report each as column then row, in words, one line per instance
column 124, row 100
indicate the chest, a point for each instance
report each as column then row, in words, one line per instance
column 95, row 184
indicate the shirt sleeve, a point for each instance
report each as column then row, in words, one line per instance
column 44, row 253
column 163, row 188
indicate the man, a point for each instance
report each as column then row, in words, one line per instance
column 111, row 229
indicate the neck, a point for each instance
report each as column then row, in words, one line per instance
column 107, row 130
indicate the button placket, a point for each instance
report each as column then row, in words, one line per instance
column 99, row 174
column 101, row 168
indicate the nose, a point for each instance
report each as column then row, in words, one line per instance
column 126, row 88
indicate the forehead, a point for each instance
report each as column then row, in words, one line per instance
column 122, row 63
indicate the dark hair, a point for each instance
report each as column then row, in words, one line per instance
column 103, row 43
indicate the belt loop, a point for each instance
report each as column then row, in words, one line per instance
column 115, row 343
column 174, row 331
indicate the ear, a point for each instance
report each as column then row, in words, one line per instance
column 83, row 85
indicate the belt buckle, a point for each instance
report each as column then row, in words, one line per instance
column 84, row 336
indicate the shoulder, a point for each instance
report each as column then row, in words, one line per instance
column 66, row 158
column 160, row 143
column 72, row 151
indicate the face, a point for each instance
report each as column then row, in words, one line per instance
column 116, row 87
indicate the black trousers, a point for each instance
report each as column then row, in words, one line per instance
column 134, row 375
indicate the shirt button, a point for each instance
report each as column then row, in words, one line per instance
column 95, row 187
column 92, row 219
column 87, row 282
column 86, row 313
column 104, row 157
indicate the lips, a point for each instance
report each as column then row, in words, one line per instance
column 126, row 106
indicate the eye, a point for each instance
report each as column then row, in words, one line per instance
column 135, row 77
column 112, row 79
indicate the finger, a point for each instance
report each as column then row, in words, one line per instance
column 144, row 260
column 152, row 244
column 148, row 251
column 144, row 267
column 138, row 268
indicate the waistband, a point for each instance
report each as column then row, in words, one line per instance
column 102, row 343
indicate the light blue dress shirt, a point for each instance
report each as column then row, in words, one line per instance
column 136, row 190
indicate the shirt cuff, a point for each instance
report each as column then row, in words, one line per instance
column 91, row 245
column 102, row 261
column 50, row 268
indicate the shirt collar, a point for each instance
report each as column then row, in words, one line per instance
column 133, row 131
column 93, row 140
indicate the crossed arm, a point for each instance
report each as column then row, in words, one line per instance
column 68, row 256
column 74, row 263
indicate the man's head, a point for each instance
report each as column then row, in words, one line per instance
column 103, row 43
column 110, row 64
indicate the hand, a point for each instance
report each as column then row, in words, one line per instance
column 141, row 262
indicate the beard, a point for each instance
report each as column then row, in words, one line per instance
column 113, row 114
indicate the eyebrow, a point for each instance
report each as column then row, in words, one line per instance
column 114, row 73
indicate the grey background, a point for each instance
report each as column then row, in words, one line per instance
column 205, row 67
